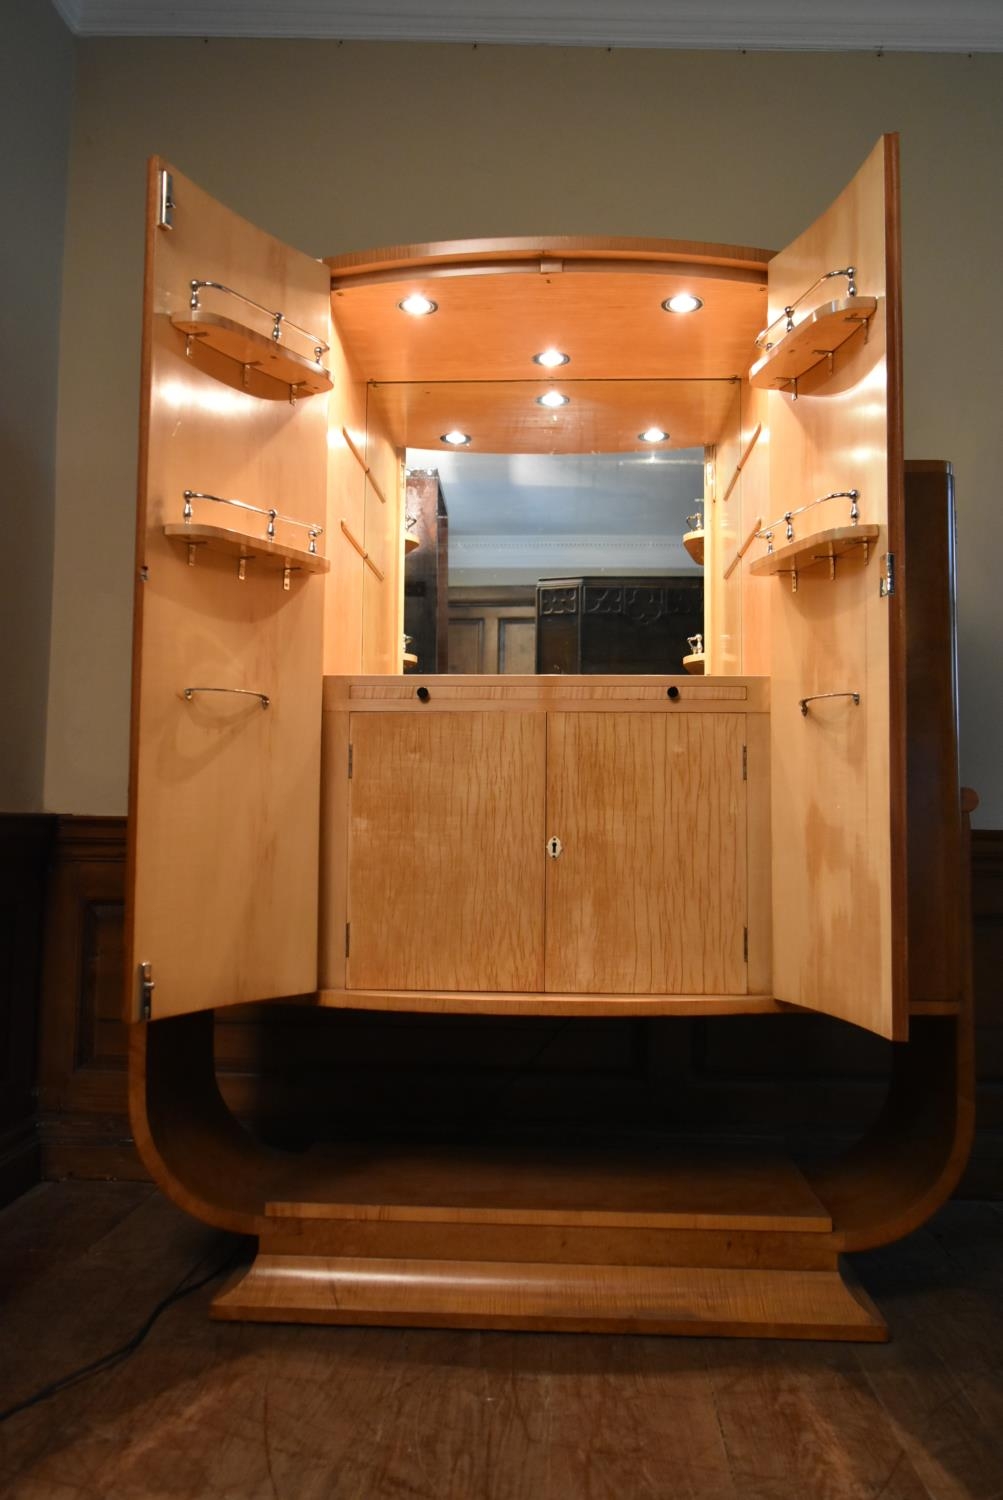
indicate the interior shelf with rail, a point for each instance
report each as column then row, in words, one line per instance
column 801, row 346
column 271, row 368
column 272, row 553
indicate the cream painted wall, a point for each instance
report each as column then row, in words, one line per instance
column 35, row 103
column 344, row 147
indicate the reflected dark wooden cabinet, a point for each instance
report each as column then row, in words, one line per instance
column 586, row 625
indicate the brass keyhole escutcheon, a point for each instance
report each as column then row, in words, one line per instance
column 554, row 847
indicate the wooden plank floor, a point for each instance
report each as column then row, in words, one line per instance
column 206, row 1410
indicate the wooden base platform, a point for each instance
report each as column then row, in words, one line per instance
column 695, row 1300
column 634, row 1238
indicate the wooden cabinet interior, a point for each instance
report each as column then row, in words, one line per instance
column 309, row 824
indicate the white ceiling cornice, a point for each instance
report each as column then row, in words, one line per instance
column 753, row 25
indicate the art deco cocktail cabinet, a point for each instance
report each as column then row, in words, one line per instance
column 782, row 834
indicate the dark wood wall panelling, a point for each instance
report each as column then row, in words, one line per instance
column 817, row 1081
column 25, row 842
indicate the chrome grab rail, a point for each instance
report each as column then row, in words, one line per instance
column 258, row 510
column 850, row 272
column 766, row 533
column 279, row 320
column 262, row 698
column 814, row 697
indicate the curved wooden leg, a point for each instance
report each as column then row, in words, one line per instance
column 188, row 1140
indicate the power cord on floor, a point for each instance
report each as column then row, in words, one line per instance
column 184, row 1288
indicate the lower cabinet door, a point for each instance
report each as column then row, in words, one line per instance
column 446, row 851
column 648, row 894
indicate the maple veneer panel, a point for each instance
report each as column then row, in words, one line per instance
column 490, row 322
column 603, row 416
column 649, row 894
column 446, row 851
column 657, row 1186
column 752, row 499
column 346, row 490
column 382, row 616
column 722, row 524
column 835, row 773
column 224, row 796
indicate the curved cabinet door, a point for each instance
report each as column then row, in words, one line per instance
column 838, row 797
column 223, row 815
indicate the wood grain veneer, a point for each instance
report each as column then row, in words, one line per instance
column 838, row 781
column 445, row 859
column 650, row 893
column 223, row 816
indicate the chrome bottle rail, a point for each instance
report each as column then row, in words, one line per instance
column 850, row 272
column 313, row 530
column 766, row 532
column 279, row 320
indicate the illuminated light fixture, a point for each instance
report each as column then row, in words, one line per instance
column 551, row 358
column 682, row 302
column 653, row 435
column 455, row 439
column 418, row 306
column 552, row 398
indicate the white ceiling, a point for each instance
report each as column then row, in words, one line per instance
column 755, row 25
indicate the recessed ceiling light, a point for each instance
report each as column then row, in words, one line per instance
column 417, row 305
column 551, row 358
column 653, row 435
column 552, row 398
column 682, row 302
column 455, row 439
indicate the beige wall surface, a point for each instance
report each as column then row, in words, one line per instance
column 339, row 147
column 35, row 103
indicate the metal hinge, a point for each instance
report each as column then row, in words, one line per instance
column 745, row 762
column 351, row 760
column 165, row 201
column 745, row 944
column 146, row 988
column 348, row 938
column 888, row 576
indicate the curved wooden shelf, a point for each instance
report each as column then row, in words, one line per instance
column 693, row 542
column 411, row 542
column 410, row 659
column 807, row 552
column 812, row 340
column 241, row 544
column 695, row 663
column 294, row 374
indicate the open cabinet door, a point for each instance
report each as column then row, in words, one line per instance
column 838, row 693
column 225, row 749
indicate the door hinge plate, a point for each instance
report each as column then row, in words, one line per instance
column 745, row 944
column 745, row 762
column 348, row 938
column 351, row 761
column 887, row 585
column 165, row 201
column 147, row 985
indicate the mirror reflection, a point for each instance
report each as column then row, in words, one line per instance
column 555, row 539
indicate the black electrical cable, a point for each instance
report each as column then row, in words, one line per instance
column 116, row 1356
